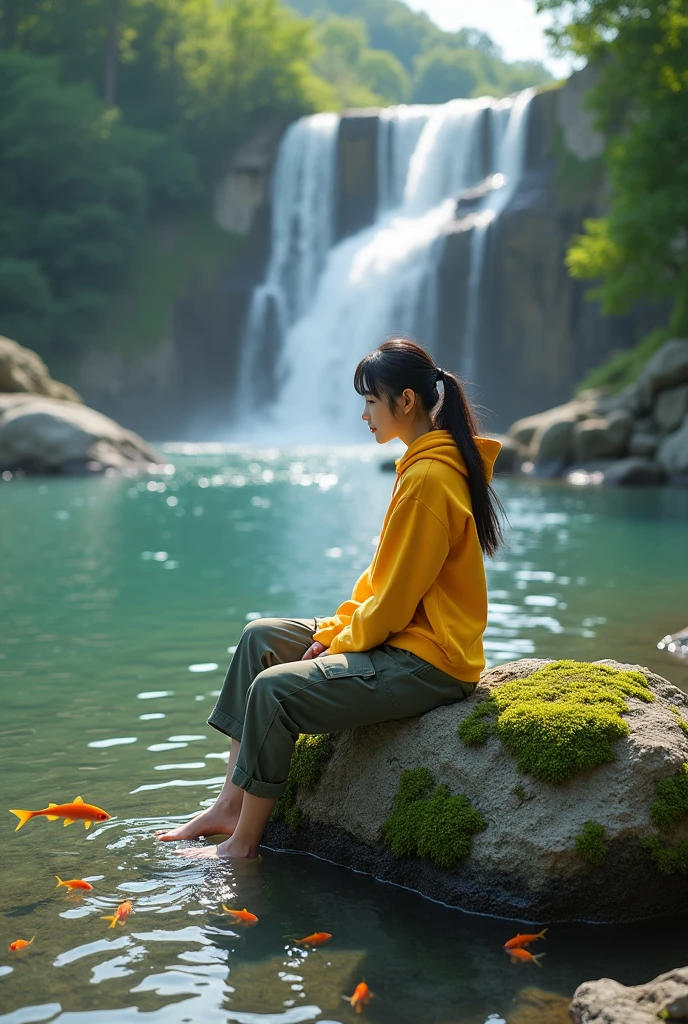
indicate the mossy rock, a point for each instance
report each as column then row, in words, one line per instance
column 590, row 844
column 311, row 754
column 431, row 823
column 561, row 720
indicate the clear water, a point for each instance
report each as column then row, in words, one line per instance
column 119, row 601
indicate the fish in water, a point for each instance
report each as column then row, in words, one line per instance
column 20, row 944
column 73, row 883
column 361, row 997
column 523, row 940
column 120, row 915
column 316, row 939
column 77, row 811
column 524, row 956
column 241, row 916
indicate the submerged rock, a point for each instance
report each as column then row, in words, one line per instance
column 48, row 435
column 533, row 859
column 608, row 1002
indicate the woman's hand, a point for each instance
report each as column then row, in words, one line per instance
column 314, row 651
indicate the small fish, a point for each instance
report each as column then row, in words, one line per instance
column 77, row 811
column 121, row 914
column 241, row 916
column 73, row 883
column 523, row 940
column 524, row 956
column 361, row 997
column 316, row 939
column 20, row 944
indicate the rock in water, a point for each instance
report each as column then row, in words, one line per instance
column 576, row 849
column 608, row 1002
column 40, row 434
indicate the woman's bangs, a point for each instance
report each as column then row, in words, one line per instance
column 365, row 378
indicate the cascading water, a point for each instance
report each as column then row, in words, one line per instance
column 329, row 306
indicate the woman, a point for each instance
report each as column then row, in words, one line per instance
column 410, row 637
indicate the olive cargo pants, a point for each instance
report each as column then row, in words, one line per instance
column 269, row 695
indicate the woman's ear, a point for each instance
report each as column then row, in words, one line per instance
column 409, row 399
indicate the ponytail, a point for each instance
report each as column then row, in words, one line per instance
column 399, row 364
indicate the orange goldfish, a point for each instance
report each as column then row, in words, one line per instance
column 524, row 956
column 20, row 944
column 242, row 916
column 523, row 940
column 121, row 914
column 316, row 939
column 77, row 811
column 73, row 883
column 361, row 997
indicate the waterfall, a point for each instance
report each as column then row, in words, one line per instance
column 329, row 305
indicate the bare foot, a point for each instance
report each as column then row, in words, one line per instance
column 211, row 822
column 230, row 848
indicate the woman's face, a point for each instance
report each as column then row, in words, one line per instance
column 381, row 422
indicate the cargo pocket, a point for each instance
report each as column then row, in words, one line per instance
column 343, row 666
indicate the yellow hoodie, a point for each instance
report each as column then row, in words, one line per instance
column 425, row 590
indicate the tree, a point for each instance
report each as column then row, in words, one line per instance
column 640, row 52
column 384, row 75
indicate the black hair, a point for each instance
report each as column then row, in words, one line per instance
column 401, row 363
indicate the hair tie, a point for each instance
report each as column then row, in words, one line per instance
column 440, row 374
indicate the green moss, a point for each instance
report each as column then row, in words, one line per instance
column 590, row 843
column 680, row 723
column 671, row 805
column 520, row 793
column 310, row 756
column 560, row 720
column 670, row 860
column 431, row 824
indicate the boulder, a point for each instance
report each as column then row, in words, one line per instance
column 634, row 471
column 608, row 1002
column 667, row 368
column 643, row 443
column 525, row 863
column 524, row 431
column 22, row 370
column 670, row 407
column 40, row 434
column 602, row 438
column 510, row 455
column 672, row 453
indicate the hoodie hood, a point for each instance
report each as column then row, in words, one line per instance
column 440, row 445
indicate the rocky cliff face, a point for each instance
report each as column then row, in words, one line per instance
column 538, row 334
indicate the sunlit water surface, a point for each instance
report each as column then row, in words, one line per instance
column 121, row 601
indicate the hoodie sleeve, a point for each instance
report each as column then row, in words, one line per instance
column 412, row 551
column 331, row 626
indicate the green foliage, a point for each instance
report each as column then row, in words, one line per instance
column 670, row 860
column 640, row 52
column 384, row 75
column 590, row 843
column 310, row 756
column 437, row 66
column 560, row 720
column 431, row 824
column 624, row 368
column 671, row 805
column 80, row 182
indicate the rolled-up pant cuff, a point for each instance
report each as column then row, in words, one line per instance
column 256, row 788
column 226, row 724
